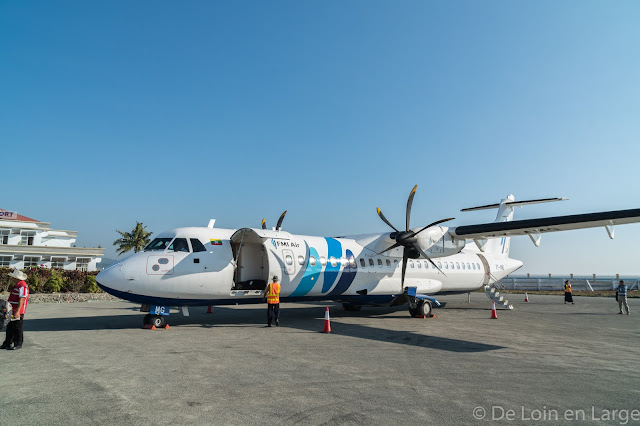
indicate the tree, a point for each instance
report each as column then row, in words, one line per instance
column 135, row 240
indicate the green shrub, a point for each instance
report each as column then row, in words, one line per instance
column 90, row 285
column 33, row 282
column 55, row 283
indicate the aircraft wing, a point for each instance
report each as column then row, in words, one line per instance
column 546, row 224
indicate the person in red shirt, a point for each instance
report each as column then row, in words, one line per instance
column 19, row 298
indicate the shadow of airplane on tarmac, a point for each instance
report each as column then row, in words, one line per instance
column 306, row 319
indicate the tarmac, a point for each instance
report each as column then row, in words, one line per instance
column 544, row 362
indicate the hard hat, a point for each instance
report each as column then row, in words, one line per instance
column 275, row 278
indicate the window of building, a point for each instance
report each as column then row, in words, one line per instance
column 371, row 262
column 4, row 236
column 362, row 263
column 30, row 261
column 83, row 264
column 5, row 261
column 300, row 260
column 27, row 238
column 388, row 263
column 196, row 245
column 312, row 260
column 57, row 262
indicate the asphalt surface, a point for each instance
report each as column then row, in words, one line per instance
column 91, row 363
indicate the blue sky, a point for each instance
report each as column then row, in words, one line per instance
column 172, row 113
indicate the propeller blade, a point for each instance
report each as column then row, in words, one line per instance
column 423, row 254
column 279, row 225
column 264, row 223
column 384, row 219
column 433, row 224
column 409, row 203
column 391, row 248
column 405, row 258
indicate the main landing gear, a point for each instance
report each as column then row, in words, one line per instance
column 419, row 308
column 350, row 307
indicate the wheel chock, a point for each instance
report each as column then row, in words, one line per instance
column 432, row 316
column 419, row 316
column 149, row 327
column 166, row 326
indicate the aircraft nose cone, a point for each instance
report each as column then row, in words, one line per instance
column 111, row 277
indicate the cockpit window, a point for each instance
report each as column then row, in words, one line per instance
column 179, row 244
column 196, row 245
column 158, row 244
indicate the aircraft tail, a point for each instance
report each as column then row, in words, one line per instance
column 500, row 246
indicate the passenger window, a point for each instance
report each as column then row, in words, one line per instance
column 380, row 263
column 333, row 261
column 446, row 265
column 179, row 244
column 411, row 263
column 474, row 266
column 371, row 262
column 301, row 260
column 352, row 262
column 196, row 245
column 426, row 265
column 395, row 263
column 323, row 260
column 388, row 263
column 362, row 263
column 457, row 265
column 463, row 266
column 468, row 266
column 419, row 265
column 289, row 260
column 312, row 261
column 439, row 264
column 478, row 266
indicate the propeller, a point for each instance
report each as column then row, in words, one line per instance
column 279, row 225
column 408, row 238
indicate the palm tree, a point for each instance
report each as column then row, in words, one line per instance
column 135, row 240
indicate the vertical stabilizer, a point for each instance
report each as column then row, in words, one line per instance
column 500, row 246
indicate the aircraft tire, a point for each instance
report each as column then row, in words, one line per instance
column 424, row 308
column 157, row 321
column 413, row 312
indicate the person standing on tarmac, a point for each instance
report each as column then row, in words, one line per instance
column 621, row 297
column 19, row 298
column 568, row 296
column 272, row 296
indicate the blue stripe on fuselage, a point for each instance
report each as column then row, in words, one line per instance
column 334, row 249
column 310, row 277
column 348, row 275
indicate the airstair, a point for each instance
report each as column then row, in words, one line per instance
column 492, row 293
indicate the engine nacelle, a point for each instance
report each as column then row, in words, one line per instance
column 439, row 243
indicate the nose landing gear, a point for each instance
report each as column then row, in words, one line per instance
column 156, row 321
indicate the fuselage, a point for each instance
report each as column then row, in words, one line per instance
column 212, row 266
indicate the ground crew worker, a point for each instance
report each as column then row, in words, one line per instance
column 19, row 298
column 568, row 296
column 621, row 297
column 272, row 296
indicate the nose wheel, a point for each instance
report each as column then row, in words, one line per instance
column 155, row 320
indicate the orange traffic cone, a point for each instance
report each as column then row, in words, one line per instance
column 327, row 323
column 526, row 297
column 209, row 310
column 494, row 314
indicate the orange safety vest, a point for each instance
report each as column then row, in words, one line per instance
column 273, row 295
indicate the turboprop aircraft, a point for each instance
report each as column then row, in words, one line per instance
column 204, row 266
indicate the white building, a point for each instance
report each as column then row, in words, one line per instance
column 26, row 242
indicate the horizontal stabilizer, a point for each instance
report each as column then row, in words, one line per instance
column 546, row 224
column 514, row 204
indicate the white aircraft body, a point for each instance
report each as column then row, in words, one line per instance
column 210, row 266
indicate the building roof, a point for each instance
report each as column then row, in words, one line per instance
column 23, row 218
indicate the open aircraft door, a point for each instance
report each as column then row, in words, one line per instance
column 254, row 252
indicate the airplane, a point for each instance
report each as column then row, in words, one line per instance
column 205, row 266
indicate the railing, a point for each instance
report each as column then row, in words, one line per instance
column 557, row 283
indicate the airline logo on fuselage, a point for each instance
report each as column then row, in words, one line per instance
column 287, row 244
